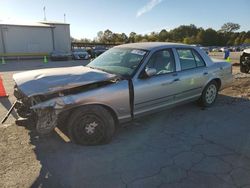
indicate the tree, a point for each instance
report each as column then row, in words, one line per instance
column 247, row 41
column 100, row 37
column 108, row 36
column 124, row 38
column 153, row 37
column 229, row 27
column 163, row 35
column 237, row 41
column 144, row 40
column 138, row 38
column 132, row 37
column 189, row 34
column 189, row 40
column 178, row 34
column 85, row 40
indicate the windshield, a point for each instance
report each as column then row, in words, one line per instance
column 120, row 61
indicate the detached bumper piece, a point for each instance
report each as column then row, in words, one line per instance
column 9, row 112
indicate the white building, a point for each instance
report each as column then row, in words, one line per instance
column 17, row 39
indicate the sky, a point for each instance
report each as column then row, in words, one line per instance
column 87, row 17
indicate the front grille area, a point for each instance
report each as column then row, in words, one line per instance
column 17, row 93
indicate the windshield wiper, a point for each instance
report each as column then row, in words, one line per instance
column 117, row 74
column 96, row 68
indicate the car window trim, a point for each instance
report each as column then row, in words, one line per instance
column 141, row 62
column 199, row 57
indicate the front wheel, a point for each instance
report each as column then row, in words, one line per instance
column 91, row 125
column 209, row 94
column 244, row 69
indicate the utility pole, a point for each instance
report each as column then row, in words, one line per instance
column 44, row 14
column 64, row 17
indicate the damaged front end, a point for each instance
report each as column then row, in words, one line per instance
column 45, row 119
column 46, row 110
column 44, row 94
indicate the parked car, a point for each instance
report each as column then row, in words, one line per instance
column 223, row 49
column 215, row 49
column 124, row 83
column 206, row 49
column 98, row 50
column 81, row 53
column 59, row 55
column 236, row 49
column 245, row 61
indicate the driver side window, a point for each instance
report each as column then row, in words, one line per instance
column 162, row 61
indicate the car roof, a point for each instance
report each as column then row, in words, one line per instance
column 152, row 45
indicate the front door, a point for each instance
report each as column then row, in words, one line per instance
column 159, row 90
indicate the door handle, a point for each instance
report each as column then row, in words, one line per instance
column 167, row 83
column 175, row 80
column 205, row 73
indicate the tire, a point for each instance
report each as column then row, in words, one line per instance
column 209, row 94
column 244, row 69
column 91, row 125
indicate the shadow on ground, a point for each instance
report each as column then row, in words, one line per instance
column 186, row 146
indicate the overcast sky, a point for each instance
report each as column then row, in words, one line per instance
column 87, row 17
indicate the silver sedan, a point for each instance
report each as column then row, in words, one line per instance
column 124, row 83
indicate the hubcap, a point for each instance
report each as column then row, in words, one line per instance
column 90, row 128
column 211, row 94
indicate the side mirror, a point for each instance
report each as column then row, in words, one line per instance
column 150, row 72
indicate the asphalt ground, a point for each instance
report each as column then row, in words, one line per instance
column 186, row 146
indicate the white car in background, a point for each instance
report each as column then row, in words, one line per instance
column 80, row 53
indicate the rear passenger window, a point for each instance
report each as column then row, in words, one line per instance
column 199, row 61
column 189, row 59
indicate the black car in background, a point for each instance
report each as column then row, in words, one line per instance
column 245, row 61
column 98, row 50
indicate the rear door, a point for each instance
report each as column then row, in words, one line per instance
column 193, row 74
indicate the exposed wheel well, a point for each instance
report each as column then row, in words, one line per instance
column 66, row 114
column 218, row 81
column 112, row 112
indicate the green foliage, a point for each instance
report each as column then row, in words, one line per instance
column 189, row 34
column 247, row 41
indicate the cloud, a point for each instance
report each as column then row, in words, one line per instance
column 148, row 7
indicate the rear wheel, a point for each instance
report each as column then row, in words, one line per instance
column 209, row 94
column 91, row 125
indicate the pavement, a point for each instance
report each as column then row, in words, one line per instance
column 186, row 146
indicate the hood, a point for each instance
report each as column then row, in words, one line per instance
column 45, row 81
